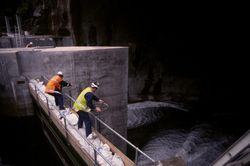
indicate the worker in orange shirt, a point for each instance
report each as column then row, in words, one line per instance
column 54, row 88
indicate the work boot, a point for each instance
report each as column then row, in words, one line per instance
column 92, row 136
column 61, row 113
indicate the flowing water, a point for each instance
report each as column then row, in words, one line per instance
column 161, row 130
column 164, row 131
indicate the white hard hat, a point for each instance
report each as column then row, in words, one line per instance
column 95, row 85
column 59, row 73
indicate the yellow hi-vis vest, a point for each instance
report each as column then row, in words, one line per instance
column 81, row 102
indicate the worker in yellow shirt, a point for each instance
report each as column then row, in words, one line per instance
column 84, row 104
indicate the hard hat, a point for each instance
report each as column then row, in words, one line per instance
column 95, row 85
column 59, row 73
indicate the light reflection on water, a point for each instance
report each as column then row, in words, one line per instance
column 197, row 144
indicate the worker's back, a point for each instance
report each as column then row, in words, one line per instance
column 54, row 83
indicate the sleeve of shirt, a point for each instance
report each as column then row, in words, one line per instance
column 89, row 98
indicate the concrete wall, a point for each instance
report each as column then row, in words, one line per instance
column 14, row 95
column 81, row 66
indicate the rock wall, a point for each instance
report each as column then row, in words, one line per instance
column 169, row 46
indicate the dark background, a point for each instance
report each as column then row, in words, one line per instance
column 204, row 42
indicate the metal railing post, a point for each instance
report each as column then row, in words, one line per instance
column 159, row 163
column 47, row 101
column 71, row 103
column 65, row 126
column 136, row 155
column 95, row 123
column 95, row 156
column 99, row 121
column 36, row 92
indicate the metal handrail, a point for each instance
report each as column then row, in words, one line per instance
column 112, row 130
column 124, row 139
column 235, row 149
column 65, row 126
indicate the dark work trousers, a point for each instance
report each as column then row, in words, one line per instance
column 58, row 100
column 84, row 117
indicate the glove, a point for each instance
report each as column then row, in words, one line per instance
column 98, row 109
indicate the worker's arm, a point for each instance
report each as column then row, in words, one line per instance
column 49, row 91
column 64, row 83
column 53, row 91
column 90, row 97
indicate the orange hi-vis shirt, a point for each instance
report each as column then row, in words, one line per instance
column 53, row 83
